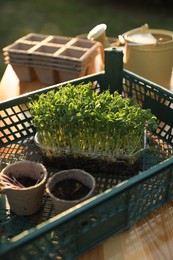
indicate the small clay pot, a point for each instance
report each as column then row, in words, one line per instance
column 77, row 174
column 26, row 201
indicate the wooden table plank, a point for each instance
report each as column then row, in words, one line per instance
column 151, row 238
column 11, row 86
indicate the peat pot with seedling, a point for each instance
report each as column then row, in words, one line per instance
column 70, row 187
column 23, row 182
column 78, row 127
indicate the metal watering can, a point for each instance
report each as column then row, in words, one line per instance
column 149, row 53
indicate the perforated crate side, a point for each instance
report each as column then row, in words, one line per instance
column 153, row 96
column 68, row 235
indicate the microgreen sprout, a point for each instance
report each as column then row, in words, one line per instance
column 80, row 120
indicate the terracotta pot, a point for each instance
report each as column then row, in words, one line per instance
column 25, row 201
column 78, row 174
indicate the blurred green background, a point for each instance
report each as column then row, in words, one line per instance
column 71, row 18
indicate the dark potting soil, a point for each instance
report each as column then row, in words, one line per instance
column 26, row 181
column 70, row 189
column 121, row 167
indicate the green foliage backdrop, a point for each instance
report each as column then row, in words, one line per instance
column 73, row 17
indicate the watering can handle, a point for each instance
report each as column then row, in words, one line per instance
column 121, row 37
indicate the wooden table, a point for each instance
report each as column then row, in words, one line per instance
column 151, row 238
column 11, row 86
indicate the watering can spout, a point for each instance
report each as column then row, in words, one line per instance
column 98, row 33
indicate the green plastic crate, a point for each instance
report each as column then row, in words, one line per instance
column 114, row 207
